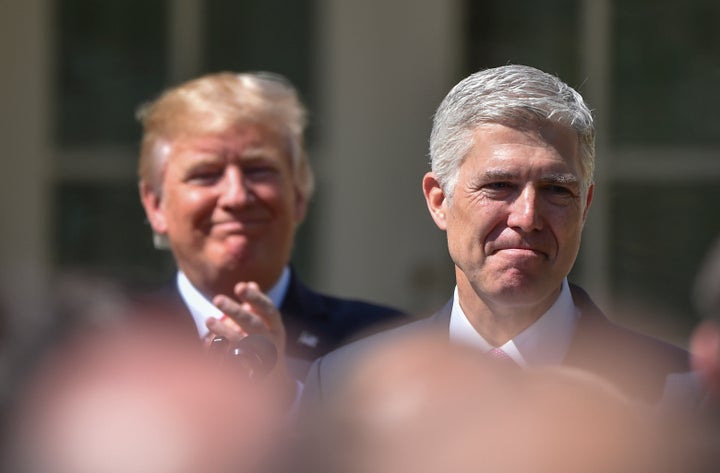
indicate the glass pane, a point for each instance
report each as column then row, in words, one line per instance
column 102, row 226
column 659, row 234
column 665, row 73
column 541, row 34
column 110, row 58
column 267, row 35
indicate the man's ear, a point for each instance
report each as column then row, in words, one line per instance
column 436, row 200
column 152, row 202
column 588, row 201
column 301, row 205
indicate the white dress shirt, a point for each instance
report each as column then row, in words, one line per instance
column 202, row 309
column 546, row 341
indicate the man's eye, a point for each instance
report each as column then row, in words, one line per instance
column 259, row 172
column 499, row 186
column 205, row 176
column 559, row 190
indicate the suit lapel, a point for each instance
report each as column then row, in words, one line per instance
column 440, row 320
column 305, row 315
column 635, row 363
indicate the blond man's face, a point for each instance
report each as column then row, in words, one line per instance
column 229, row 206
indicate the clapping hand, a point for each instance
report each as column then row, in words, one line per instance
column 253, row 313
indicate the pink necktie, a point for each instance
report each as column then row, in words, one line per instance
column 501, row 357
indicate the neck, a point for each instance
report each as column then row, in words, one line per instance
column 499, row 320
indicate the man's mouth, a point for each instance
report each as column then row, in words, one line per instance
column 237, row 226
column 520, row 251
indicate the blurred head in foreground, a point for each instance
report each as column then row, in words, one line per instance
column 705, row 340
column 114, row 402
column 424, row 406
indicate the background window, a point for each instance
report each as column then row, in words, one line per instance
column 666, row 71
column 116, row 54
column 110, row 57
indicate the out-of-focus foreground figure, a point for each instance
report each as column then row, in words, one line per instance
column 422, row 405
column 705, row 341
column 139, row 401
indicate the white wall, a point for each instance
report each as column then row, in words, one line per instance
column 25, row 163
column 379, row 86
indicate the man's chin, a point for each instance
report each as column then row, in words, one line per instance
column 233, row 248
column 245, row 263
column 234, row 261
column 535, row 299
column 522, row 287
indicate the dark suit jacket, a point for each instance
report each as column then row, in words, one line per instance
column 635, row 363
column 315, row 323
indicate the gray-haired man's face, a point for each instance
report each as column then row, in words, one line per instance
column 516, row 215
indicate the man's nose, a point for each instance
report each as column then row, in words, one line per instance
column 524, row 211
column 234, row 191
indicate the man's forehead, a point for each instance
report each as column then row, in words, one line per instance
column 499, row 143
column 237, row 146
column 192, row 150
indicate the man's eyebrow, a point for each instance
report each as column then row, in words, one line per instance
column 258, row 152
column 202, row 157
column 565, row 179
column 559, row 178
column 499, row 175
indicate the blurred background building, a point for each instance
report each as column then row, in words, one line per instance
column 372, row 73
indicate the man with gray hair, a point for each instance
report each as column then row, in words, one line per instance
column 225, row 181
column 512, row 154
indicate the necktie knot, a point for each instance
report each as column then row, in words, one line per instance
column 500, row 357
column 498, row 354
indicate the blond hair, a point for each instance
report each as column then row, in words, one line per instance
column 215, row 103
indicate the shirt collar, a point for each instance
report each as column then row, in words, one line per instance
column 546, row 341
column 202, row 309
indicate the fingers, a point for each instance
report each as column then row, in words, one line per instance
column 250, row 293
column 252, row 312
column 260, row 303
column 225, row 328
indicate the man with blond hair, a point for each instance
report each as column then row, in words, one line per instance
column 225, row 181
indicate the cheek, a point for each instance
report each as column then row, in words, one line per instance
column 468, row 232
column 567, row 238
column 568, row 224
column 280, row 198
column 481, row 223
column 188, row 208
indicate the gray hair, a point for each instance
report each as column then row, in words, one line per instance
column 512, row 95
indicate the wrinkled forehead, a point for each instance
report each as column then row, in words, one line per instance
column 562, row 139
column 238, row 141
column 561, row 136
column 242, row 140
